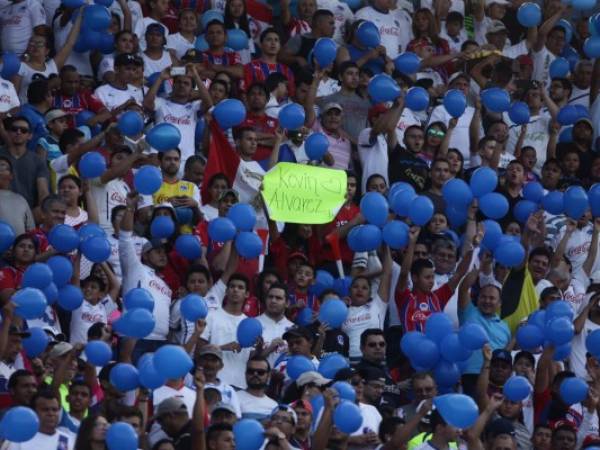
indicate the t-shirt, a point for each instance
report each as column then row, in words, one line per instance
column 187, row 395
column 60, row 440
column 8, row 96
column 15, row 211
column 361, row 318
column 83, row 318
column 537, row 136
column 577, row 249
column 406, row 166
column 273, row 330
column 339, row 147
column 356, row 109
column 253, row 407
column 541, row 65
column 18, row 20
column 112, row 97
column 371, row 419
column 395, row 34
column 414, row 308
column 342, row 15
column 26, row 171
column 373, row 154
column 179, row 43
column 28, row 74
column 107, row 196
column 577, row 359
column 221, row 329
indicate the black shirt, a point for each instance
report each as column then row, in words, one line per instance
column 405, row 166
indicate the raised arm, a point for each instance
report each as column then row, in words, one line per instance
column 311, row 96
column 150, row 96
column 474, row 127
column 407, row 261
column 386, row 275
column 461, row 270
column 198, row 413
column 546, row 27
column 127, row 19
column 62, row 55
column 588, row 265
column 464, row 290
column 570, row 228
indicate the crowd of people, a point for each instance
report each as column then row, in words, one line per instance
column 516, row 260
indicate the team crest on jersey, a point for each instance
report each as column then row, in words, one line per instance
column 183, row 187
column 340, row 339
column 423, row 306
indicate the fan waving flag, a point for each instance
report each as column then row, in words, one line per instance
column 519, row 298
column 244, row 176
column 261, row 18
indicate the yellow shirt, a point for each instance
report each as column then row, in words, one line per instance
column 178, row 189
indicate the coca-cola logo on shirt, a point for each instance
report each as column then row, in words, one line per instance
column 117, row 197
column 91, row 318
column 178, row 120
column 162, row 289
column 4, row 98
column 391, row 31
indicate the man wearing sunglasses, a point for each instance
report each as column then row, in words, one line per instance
column 255, row 403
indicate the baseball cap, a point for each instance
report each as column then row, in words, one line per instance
column 457, row 75
column 211, row 350
column 171, row 405
column 286, row 408
column 297, row 255
column 54, row 114
column 498, row 427
column 222, row 406
column 304, row 404
column 496, row 27
column 298, row 331
column 372, row 374
column 376, row 110
column 312, row 377
column 345, row 374
column 584, row 120
column 152, row 244
column 60, row 349
column 227, row 192
column 498, row 2
column 155, row 28
column 125, row 59
column 14, row 330
column 502, row 355
column 331, row 105
column 562, row 423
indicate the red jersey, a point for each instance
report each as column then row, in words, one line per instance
column 261, row 124
column 257, row 70
column 222, row 59
column 345, row 215
column 414, row 308
column 42, row 237
column 280, row 251
column 298, row 26
column 11, row 277
column 79, row 102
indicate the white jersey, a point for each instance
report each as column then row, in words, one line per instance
column 274, row 330
column 136, row 274
column 342, row 14
column 577, row 249
column 361, row 318
column 60, row 440
column 106, row 65
column 537, row 136
column 18, row 20
column 180, row 44
column 248, row 180
column 114, row 260
column 187, row 395
column 394, row 28
column 140, row 30
column 373, row 156
column 221, row 329
column 184, row 117
column 541, row 66
column 577, row 359
column 8, row 96
column 27, row 74
column 107, row 196
column 580, row 97
column 371, row 419
column 152, row 65
column 112, row 97
column 83, row 318
column 258, row 408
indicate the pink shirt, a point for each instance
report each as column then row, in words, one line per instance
column 338, row 147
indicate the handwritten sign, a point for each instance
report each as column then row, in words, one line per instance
column 299, row 193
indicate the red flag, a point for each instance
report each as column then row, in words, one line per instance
column 222, row 158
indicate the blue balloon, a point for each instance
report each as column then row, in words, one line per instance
column 19, row 424
column 523, row 209
column 131, row 123
column 417, row 99
column 331, row 364
column 297, row 365
column 567, row 115
column 566, row 135
column 458, row 410
column 382, row 88
column 345, row 390
column 237, row 39
column 347, row 417
column 36, row 343
column 121, row 436
column 368, row 34
column 568, row 30
column 162, row 227
column 533, row 191
column 149, row 377
column 315, row 146
column 594, row 199
column 456, row 216
column 243, row 216
column 147, row 180
column 455, row 102
column 519, row 113
column 63, row 238
column 221, row 229
column 248, row 331
column 82, row 117
column 509, row 253
column 530, row 337
column 592, row 342
column 106, row 46
column 516, row 388
column 31, row 303
column 7, row 236
column 559, row 331
column 188, row 246
column 210, row 15
column 62, row 270
column 410, row 342
column 139, row 298
column 249, row 434
column 51, row 293
column 353, row 4
column 395, row 234
column 438, row 326
column 90, row 230
column 407, row 63
column 573, row 390
column 305, row 316
column 96, row 249
column 341, row 286
column 421, row 210
column 456, row 192
column 576, row 202
column 172, row 361
column 583, row 4
column 452, row 350
column 37, row 275
column 70, row 297
column 553, row 202
column 248, row 244
column 10, row 65
column 364, row 238
column 538, row 318
column 96, row 18
column 98, row 353
column 562, row 352
column 374, row 207
column 124, row 377
column 73, row 4
column 426, row 356
column 401, row 189
column 333, row 312
column 446, row 373
column 324, row 51
column 136, row 322
column 200, row 44
column 559, row 68
column 323, row 281
column 559, row 308
column 483, row 181
column 193, row 307
column 291, row 116
column 529, row 15
column 472, row 336
column 164, row 136
column 229, row 113
column 495, row 99
column 493, row 205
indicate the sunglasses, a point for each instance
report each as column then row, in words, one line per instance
column 23, row 130
column 436, row 133
column 256, row 372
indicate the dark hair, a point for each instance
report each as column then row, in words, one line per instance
column 419, row 265
column 388, row 426
column 279, row 285
column 243, row 22
column 273, row 80
column 115, row 211
column 239, row 277
column 373, row 176
column 7, row 161
column 370, row 332
column 566, row 83
column 80, row 382
column 261, row 277
column 225, row 85
column 345, row 66
column 74, row 178
column 321, row 13
column 13, row 380
column 218, row 176
column 269, row 30
column 95, row 331
column 84, row 434
column 258, row 85
column 69, row 137
column 540, row 251
column 9, row 121
column 157, row 444
column 49, row 200
column 37, row 91
column 257, row 358
column 454, row 16
column 45, row 393
column 215, row 22
column 193, row 160
column 161, row 155
column 197, row 268
column 215, row 430
column 129, row 411
column 27, row 236
column 238, row 133
column 94, row 279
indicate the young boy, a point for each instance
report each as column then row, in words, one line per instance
column 528, row 158
column 47, row 146
column 301, row 296
column 91, row 310
column 277, row 85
